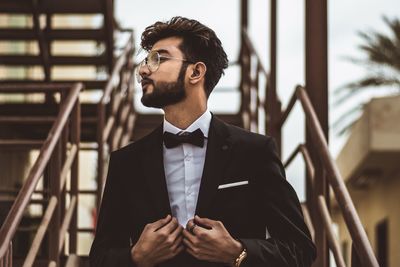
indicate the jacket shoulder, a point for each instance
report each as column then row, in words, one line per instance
column 244, row 136
column 137, row 146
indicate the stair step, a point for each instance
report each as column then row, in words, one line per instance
column 52, row 7
column 36, row 121
column 21, row 143
column 31, row 60
column 89, row 84
column 54, row 34
column 40, row 109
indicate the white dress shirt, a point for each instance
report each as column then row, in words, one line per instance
column 183, row 166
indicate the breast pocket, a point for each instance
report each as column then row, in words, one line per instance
column 233, row 205
column 233, row 194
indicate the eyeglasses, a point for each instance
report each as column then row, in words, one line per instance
column 153, row 61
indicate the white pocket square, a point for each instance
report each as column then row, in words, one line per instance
column 222, row 186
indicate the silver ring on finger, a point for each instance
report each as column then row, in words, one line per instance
column 191, row 229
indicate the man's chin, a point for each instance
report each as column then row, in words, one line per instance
column 150, row 102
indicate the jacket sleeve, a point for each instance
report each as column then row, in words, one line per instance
column 111, row 245
column 289, row 244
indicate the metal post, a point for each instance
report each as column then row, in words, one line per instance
column 75, row 140
column 317, row 89
column 242, row 56
column 100, row 152
column 273, row 105
column 54, row 228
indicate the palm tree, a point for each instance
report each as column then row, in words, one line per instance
column 382, row 61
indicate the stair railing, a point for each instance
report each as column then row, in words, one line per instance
column 275, row 119
column 257, row 113
column 116, row 114
column 58, row 157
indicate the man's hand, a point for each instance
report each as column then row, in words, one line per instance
column 213, row 244
column 159, row 241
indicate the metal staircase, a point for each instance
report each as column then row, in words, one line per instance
column 65, row 122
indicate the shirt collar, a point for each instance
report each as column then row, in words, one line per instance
column 203, row 122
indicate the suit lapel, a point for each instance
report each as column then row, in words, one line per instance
column 154, row 168
column 217, row 155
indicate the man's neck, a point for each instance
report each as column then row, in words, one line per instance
column 182, row 116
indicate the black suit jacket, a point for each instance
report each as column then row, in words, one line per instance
column 136, row 194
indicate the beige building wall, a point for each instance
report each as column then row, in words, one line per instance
column 370, row 165
column 375, row 204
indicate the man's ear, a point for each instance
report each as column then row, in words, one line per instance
column 198, row 71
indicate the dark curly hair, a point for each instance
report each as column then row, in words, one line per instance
column 200, row 43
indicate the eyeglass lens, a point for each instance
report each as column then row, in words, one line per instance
column 152, row 61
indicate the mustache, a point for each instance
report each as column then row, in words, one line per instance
column 147, row 81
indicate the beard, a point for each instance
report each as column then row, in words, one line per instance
column 166, row 93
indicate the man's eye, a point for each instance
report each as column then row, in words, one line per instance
column 162, row 59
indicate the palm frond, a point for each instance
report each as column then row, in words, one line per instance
column 352, row 112
column 382, row 60
column 351, row 89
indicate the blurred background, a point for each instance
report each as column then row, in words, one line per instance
column 339, row 59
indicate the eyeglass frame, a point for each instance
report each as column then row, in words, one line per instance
column 144, row 62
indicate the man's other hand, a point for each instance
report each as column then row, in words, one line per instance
column 159, row 241
column 211, row 242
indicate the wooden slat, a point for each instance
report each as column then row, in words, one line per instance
column 21, row 143
column 42, row 87
column 51, row 6
column 27, row 119
column 51, row 35
column 89, row 84
column 86, row 230
column 31, row 60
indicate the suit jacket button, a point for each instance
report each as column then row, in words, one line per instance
column 224, row 147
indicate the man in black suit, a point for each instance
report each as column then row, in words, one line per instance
column 196, row 191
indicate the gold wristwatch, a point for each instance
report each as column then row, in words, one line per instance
column 241, row 257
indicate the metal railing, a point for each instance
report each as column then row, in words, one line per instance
column 116, row 114
column 58, row 157
column 275, row 119
column 254, row 94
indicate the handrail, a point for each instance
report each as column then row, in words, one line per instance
column 69, row 107
column 335, row 179
column 276, row 118
column 115, row 127
column 253, row 51
column 122, row 59
column 321, row 203
column 251, row 103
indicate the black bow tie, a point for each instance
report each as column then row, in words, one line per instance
column 173, row 140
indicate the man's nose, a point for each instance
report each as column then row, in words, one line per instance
column 144, row 70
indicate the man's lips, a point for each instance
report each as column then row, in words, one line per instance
column 146, row 82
